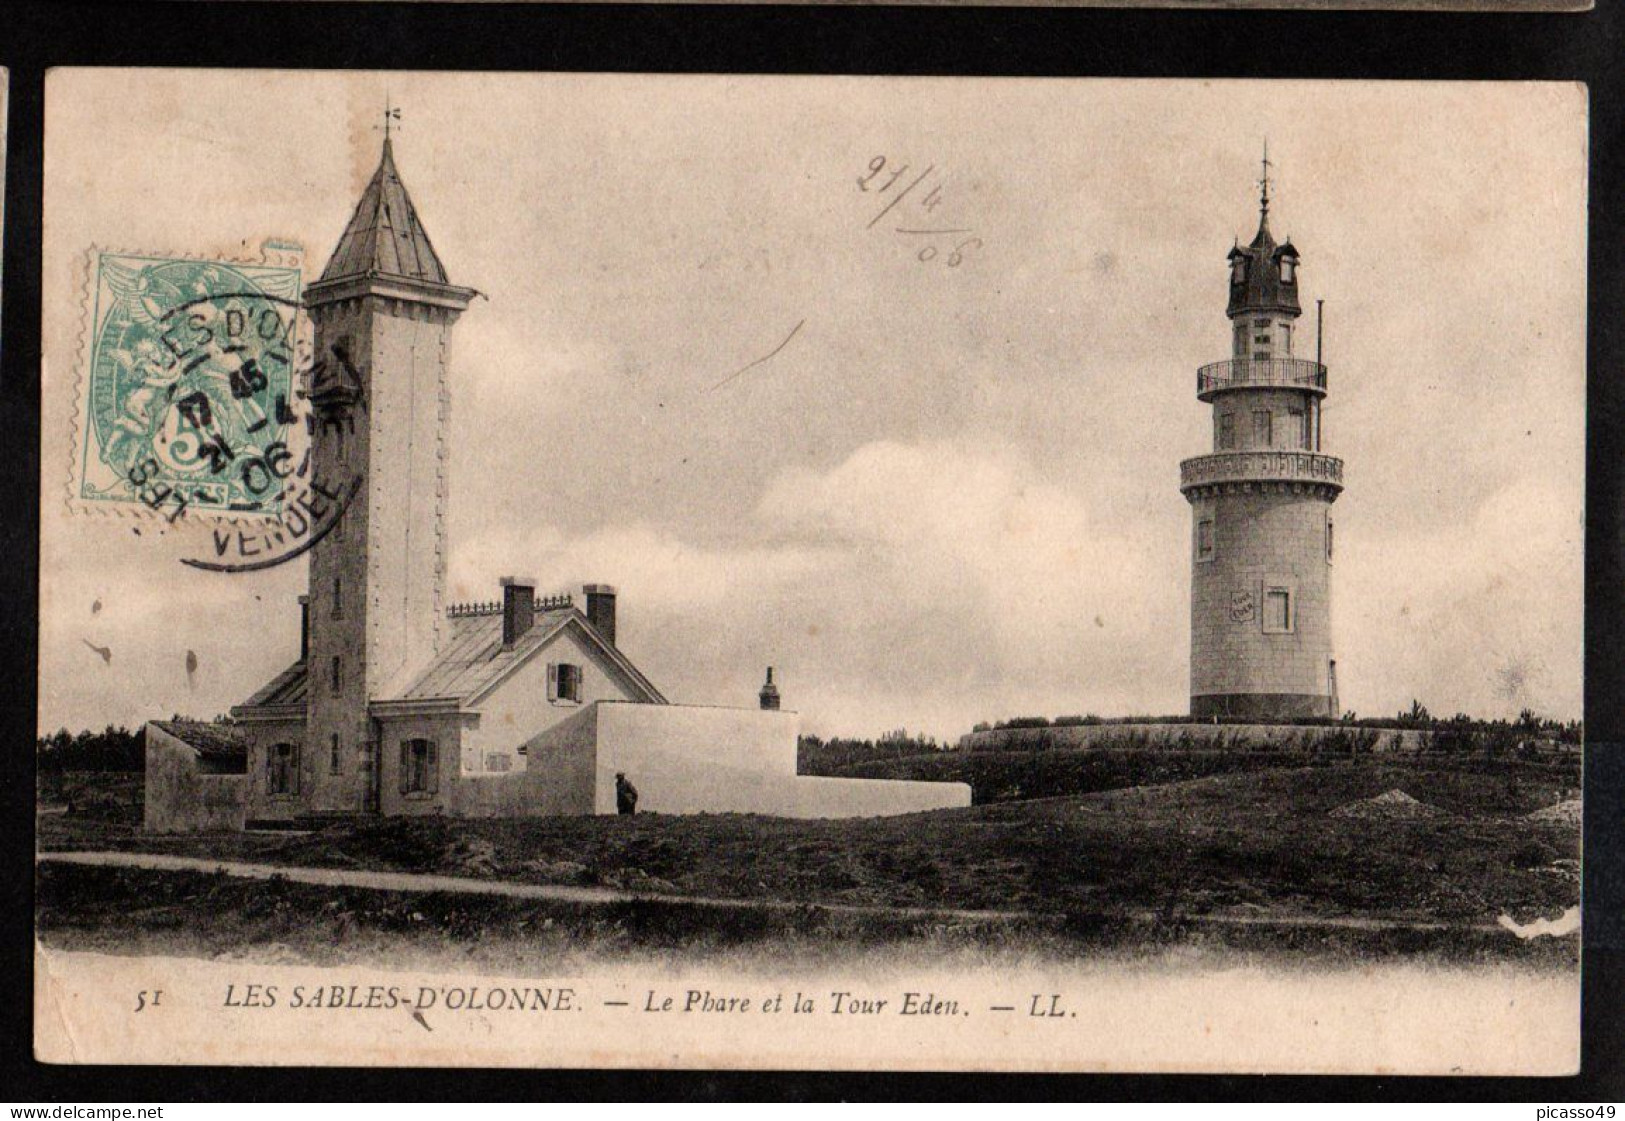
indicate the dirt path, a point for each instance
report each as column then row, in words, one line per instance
column 415, row 881
column 422, row 882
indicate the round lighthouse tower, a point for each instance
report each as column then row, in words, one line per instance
column 1261, row 506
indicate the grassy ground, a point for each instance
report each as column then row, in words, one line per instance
column 1002, row 776
column 125, row 911
column 1261, row 844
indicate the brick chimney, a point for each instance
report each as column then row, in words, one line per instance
column 518, row 608
column 601, row 609
column 769, row 696
column 304, row 628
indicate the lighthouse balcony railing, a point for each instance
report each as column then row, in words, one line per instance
column 1264, row 373
column 1262, row 465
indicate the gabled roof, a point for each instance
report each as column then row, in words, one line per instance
column 384, row 236
column 218, row 743
column 472, row 662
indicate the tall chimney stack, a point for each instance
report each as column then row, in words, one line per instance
column 518, row 608
column 769, row 696
column 304, row 628
column 601, row 609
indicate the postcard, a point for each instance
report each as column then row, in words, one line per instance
column 580, row 570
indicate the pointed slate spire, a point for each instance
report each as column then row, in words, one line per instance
column 384, row 237
column 1263, row 240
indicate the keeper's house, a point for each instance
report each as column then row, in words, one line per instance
column 401, row 703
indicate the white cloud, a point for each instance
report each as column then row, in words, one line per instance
column 926, row 585
column 1483, row 618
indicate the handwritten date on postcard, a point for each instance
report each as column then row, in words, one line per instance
column 932, row 238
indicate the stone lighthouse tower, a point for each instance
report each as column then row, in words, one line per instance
column 1261, row 506
column 383, row 312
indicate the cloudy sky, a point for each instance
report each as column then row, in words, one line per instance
column 953, row 494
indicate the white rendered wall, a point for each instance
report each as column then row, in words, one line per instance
column 689, row 759
column 519, row 708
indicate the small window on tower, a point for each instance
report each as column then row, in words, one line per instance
column 333, row 755
column 1204, row 539
column 1261, row 428
column 1277, row 610
column 1289, row 270
column 1286, row 337
column 1238, row 269
column 1227, row 431
column 1299, row 427
column 1328, row 540
column 338, row 675
column 338, row 597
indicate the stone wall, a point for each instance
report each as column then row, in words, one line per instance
column 180, row 796
column 1192, row 736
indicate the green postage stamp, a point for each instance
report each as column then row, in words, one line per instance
column 187, row 384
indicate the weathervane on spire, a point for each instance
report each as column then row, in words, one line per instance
column 391, row 113
column 1264, row 183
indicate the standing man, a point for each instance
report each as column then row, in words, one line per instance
column 626, row 795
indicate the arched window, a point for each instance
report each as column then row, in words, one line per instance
column 1289, row 270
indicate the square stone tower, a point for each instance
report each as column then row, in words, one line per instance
column 1261, row 545
column 382, row 313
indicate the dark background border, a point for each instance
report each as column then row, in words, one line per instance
column 1580, row 47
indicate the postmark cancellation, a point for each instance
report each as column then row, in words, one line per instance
column 188, row 374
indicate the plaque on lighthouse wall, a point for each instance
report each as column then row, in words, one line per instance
column 1243, row 605
column 631, row 570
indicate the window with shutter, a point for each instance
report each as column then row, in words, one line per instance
column 552, row 681
column 420, row 767
column 569, row 682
